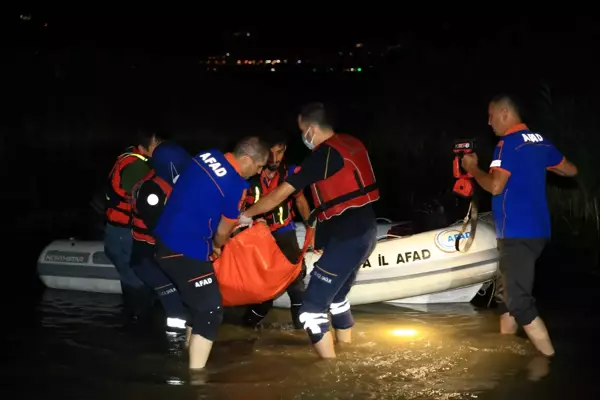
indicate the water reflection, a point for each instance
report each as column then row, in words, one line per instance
column 442, row 352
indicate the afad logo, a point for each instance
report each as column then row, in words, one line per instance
column 446, row 240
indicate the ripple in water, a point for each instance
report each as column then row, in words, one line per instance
column 83, row 344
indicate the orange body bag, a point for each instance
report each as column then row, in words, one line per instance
column 252, row 269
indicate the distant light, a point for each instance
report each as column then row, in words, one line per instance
column 239, row 61
column 46, row 25
column 358, row 45
column 276, row 61
column 268, row 62
column 359, row 69
column 352, row 69
column 272, row 69
column 247, row 33
column 314, row 70
column 404, row 332
column 227, row 54
column 299, row 62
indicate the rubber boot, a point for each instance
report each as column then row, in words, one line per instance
column 295, row 312
column 251, row 318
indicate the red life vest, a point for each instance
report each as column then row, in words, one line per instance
column 139, row 229
column 282, row 214
column 118, row 210
column 352, row 186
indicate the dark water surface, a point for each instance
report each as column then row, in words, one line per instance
column 80, row 346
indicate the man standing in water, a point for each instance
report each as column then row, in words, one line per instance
column 343, row 188
column 149, row 198
column 283, row 228
column 517, row 182
column 129, row 168
column 196, row 222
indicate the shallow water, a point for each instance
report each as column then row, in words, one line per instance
column 80, row 346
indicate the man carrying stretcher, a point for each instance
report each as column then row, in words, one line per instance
column 343, row 187
column 282, row 226
column 196, row 222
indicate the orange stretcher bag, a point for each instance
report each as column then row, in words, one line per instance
column 252, row 269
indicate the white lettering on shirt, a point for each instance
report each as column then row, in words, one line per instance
column 213, row 164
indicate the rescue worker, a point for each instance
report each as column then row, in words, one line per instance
column 197, row 221
column 283, row 228
column 130, row 168
column 343, row 187
column 517, row 182
column 149, row 198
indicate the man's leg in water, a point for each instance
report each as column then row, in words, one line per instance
column 255, row 313
column 148, row 270
column 117, row 247
column 335, row 268
column 508, row 324
column 288, row 244
column 518, row 258
column 199, row 290
column 341, row 316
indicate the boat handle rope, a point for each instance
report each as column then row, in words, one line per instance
column 472, row 218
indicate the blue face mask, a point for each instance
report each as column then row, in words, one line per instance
column 311, row 144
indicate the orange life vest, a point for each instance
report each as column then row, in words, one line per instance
column 118, row 210
column 282, row 214
column 139, row 229
column 352, row 186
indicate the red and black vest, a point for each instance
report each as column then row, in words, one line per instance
column 352, row 186
column 139, row 229
column 260, row 186
column 118, row 202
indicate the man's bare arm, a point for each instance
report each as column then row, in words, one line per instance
column 271, row 200
column 302, row 205
column 493, row 183
column 224, row 230
column 565, row 168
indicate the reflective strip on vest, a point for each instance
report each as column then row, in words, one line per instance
column 120, row 214
column 280, row 221
column 120, row 159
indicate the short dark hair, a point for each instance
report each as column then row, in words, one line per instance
column 148, row 130
column 315, row 113
column 253, row 147
column 511, row 100
column 274, row 138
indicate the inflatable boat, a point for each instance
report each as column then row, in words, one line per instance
column 405, row 268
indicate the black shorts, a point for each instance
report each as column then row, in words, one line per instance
column 518, row 257
column 195, row 280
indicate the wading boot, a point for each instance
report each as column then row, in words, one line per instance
column 295, row 311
